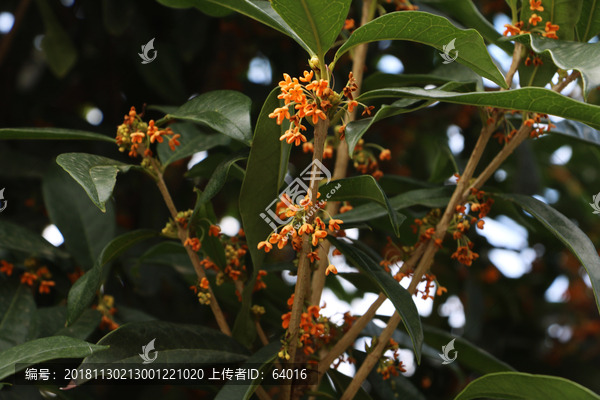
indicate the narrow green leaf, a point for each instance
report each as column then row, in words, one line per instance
column 589, row 21
column 559, row 12
column 435, row 197
column 318, row 23
column 97, row 175
column 16, row 237
column 341, row 383
column 568, row 55
column 567, row 232
column 51, row 134
column 226, row 111
column 542, row 101
column 192, row 140
column 469, row 355
column 201, row 220
column 174, row 343
column 58, row 48
column 265, row 356
column 41, row 350
column 577, row 130
column 431, row 30
column 84, row 290
column 220, row 175
column 361, row 187
column 465, row 12
column 444, row 164
column 86, row 229
column 400, row 298
column 168, row 253
column 17, row 311
column 51, row 321
column 212, row 9
column 521, row 386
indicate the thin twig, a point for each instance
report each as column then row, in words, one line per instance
column 560, row 86
column 182, row 234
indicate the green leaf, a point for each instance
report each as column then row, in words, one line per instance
column 431, row 30
column 255, row 9
column 16, row 237
column 361, row 187
column 17, row 311
column 51, row 321
column 435, row 197
column 443, row 74
column 577, row 130
column 265, row 356
column 359, row 281
column 543, row 101
column 567, row 56
column 86, row 229
column 192, row 141
column 465, row 12
column 400, row 298
column 169, row 253
column 202, row 218
column 470, row 355
column 51, row 134
column 84, row 290
column 560, row 12
column 444, row 164
column 589, row 21
column 212, row 9
column 521, row 386
column 174, row 343
column 226, row 111
column 537, row 75
column 341, row 383
column 97, row 175
column 220, row 175
column 318, row 23
column 356, row 129
column 41, row 350
column 567, row 232
column 264, row 172
column 60, row 52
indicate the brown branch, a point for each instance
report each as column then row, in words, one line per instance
column 516, row 60
column 303, row 276
column 182, row 234
column 560, row 86
column 342, row 155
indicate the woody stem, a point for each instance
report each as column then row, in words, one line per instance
column 303, row 277
column 182, row 234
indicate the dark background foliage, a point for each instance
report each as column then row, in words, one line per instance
column 197, row 53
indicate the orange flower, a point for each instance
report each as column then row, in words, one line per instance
column 535, row 19
column 6, row 267
column 312, row 256
column 280, row 113
column 377, row 175
column 306, row 228
column 45, row 286
column 136, row 137
column 318, row 235
column 349, row 24
column 214, row 230
column 204, row 283
column 438, row 243
column 194, row 243
column 319, row 223
column 511, row 29
column 551, row 30
column 334, row 224
column 307, row 76
column 331, row 268
column 43, row 271
column 328, row 152
column 286, row 320
column 441, row 290
column 28, row 278
column 351, row 105
column 308, row 148
column 480, row 224
column 386, row 154
column 318, row 86
column 536, row 5
column 345, row 208
column 173, row 142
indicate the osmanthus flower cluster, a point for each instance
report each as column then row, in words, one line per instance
column 365, row 161
column 34, row 274
column 532, row 120
column 388, row 366
column 316, row 331
column 517, row 29
column 106, row 306
column 305, row 98
column 134, row 135
column 292, row 232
